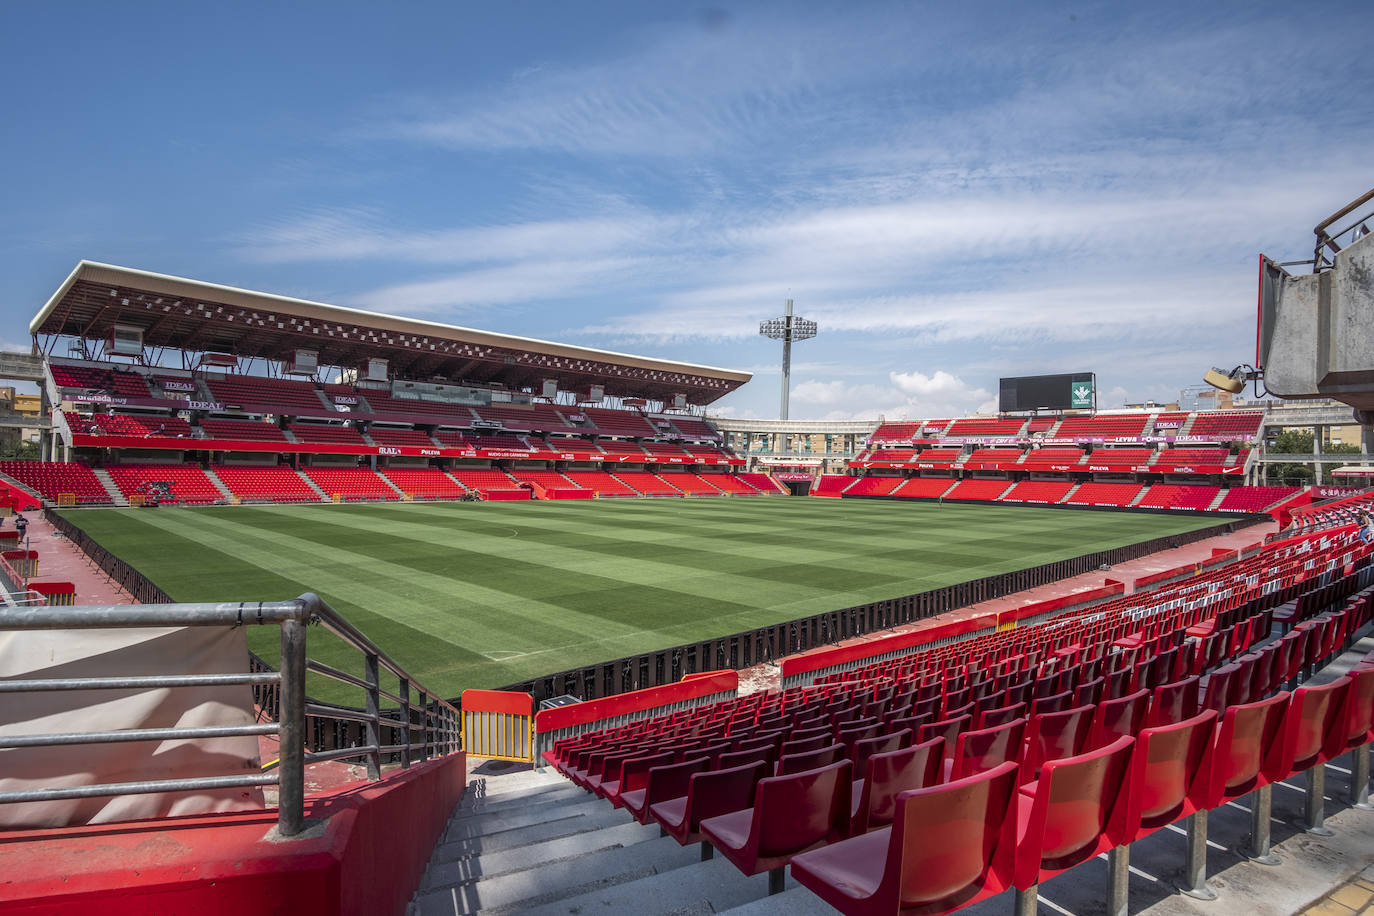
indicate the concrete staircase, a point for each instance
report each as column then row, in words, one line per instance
column 108, row 483
column 534, row 843
column 219, row 484
column 324, row 497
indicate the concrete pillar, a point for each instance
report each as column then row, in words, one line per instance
column 1316, row 453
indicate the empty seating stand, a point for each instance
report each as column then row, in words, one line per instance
column 1104, row 494
column 188, row 483
column 924, row 487
column 978, row 489
column 327, row 433
column 873, row 486
column 1104, row 426
column 1239, row 425
column 1038, row 491
column 348, row 484
column 730, row 483
column 263, row 482
column 689, row 483
column 601, row 482
column 217, row 428
column 424, row 483
column 764, row 483
column 1254, row 499
column 831, row 484
column 1172, row 496
column 265, row 395
column 986, row 426
column 647, row 484
column 57, row 480
column 486, row 480
column 405, row 438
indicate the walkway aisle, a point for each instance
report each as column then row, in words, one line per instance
column 60, row 561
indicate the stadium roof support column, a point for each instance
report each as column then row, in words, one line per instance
column 787, row 329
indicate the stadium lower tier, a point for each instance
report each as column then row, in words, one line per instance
column 1010, row 756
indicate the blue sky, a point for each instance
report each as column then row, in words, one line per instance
column 956, row 192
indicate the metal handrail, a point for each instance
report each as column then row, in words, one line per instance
column 1326, row 241
column 425, row 727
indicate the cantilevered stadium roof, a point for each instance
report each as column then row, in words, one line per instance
column 196, row 316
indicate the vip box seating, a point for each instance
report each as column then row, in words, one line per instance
column 265, row 395
column 1104, row 494
column 606, row 422
column 692, row 428
column 136, row 425
column 1119, row 459
column 1101, row 426
column 814, row 775
column 1171, row 496
column 408, row 438
column 666, row 451
column 188, row 482
column 978, row 489
column 217, row 428
column 831, row 484
column 924, row 487
column 647, row 484
column 451, row 438
column 484, row 480
column 986, row 426
column 601, row 482
column 350, row 483
column 536, row 417
column 1038, row 491
column 507, row 443
column 1254, row 499
column 940, row 456
column 873, row 486
column 1170, row 458
column 689, row 483
column 994, row 457
column 424, row 483
column 889, row 454
column 1055, row 455
column 1241, row 425
column 54, row 479
column 580, row 449
column 416, row 410
column 326, row 433
column 262, row 482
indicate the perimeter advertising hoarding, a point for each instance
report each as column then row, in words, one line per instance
column 1072, row 391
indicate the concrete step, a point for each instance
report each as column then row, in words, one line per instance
column 576, row 821
column 591, row 867
column 514, row 817
column 108, row 483
column 219, row 484
column 534, row 855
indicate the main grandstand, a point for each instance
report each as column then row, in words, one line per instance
column 1168, row 687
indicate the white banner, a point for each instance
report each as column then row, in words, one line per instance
column 124, row 653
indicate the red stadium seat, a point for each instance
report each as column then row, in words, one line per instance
column 949, row 846
column 886, row 775
column 791, row 814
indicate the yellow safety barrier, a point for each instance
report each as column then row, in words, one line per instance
column 137, row 499
column 66, row 500
column 498, row 724
column 337, row 499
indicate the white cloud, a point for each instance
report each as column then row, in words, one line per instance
column 907, row 394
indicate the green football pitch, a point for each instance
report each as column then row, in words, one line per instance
column 486, row 594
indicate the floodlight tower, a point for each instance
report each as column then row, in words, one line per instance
column 787, row 329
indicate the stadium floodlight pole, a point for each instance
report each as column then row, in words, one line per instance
column 787, row 329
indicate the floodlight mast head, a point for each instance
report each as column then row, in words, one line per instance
column 787, row 329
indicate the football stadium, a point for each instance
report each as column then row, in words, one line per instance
column 323, row 594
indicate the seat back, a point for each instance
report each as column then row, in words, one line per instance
column 1056, row 702
column 1079, row 809
column 1170, row 772
column 1173, row 702
column 894, row 772
column 671, row 780
column 730, row 759
column 1314, row 731
column 951, row 841
column 1359, row 703
column 634, row 772
column 1220, row 685
column 880, row 744
column 802, row 745
column 1249, row 749
column 799, row 810
column 948, row 729
column 810, row 760
column 1119, row 717
column 848, row 736
column 1054, row 736
column 982, row 750
column 1001, row 715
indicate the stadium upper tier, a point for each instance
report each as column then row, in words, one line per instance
column 98, row 303
column 1177, row 426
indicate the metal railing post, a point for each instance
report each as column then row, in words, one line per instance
column 291, row 715
column 374, row 714
column 407, row 724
